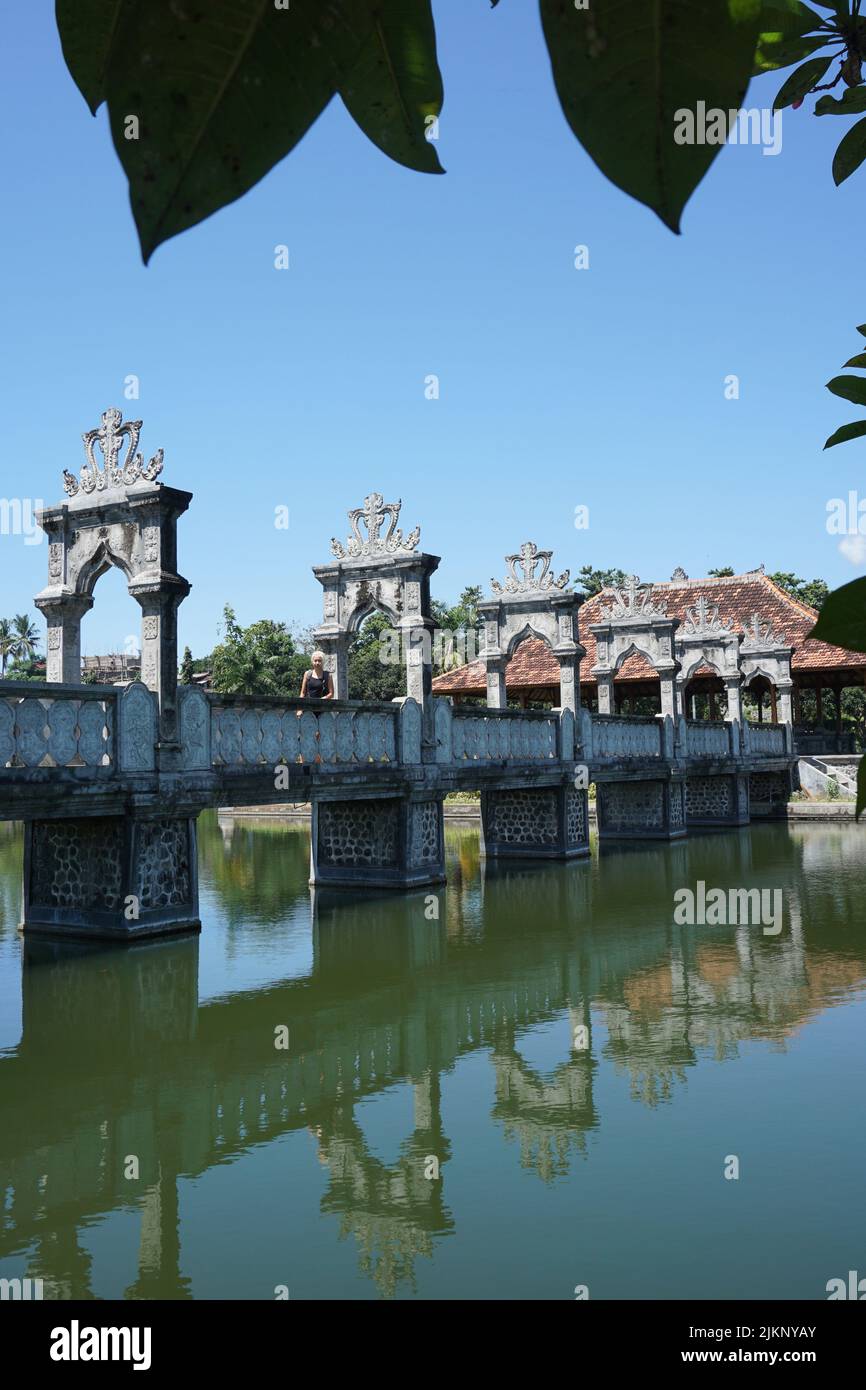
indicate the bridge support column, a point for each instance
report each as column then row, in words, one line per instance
column 649, row 809
column 116, row 877
column 535, row 823
column 394, row 840
column 714, row 800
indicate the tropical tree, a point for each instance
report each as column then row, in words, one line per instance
column 187, row 668
column 26, row 636
column 7, row 644
column 593, row 581
column 257, row 660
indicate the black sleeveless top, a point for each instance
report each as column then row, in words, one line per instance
column 318, row 686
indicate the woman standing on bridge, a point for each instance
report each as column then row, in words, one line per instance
column 317, row 684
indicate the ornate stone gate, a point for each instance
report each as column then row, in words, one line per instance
column 117, row 514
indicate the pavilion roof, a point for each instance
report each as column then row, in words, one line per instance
column 738, row 596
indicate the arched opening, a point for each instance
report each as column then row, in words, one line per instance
column 636, row 685
column 760, row 704
column 532, row 674
column 376, row 656
column 704, row 693
column 111, row 630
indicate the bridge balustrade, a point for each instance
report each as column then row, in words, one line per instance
column 708, row 738
column 72, row 727
column 767, row 740
column 615, row 738
column 484, row 735
column 266, row 732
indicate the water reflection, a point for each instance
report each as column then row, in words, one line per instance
column 579, row 964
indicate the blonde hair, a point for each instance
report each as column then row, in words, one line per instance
column 315, row 654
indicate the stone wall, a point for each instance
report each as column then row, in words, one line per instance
column 710, row 798
column 359, row 834
column 524, row 818
column 631, row 806
column 77, row 864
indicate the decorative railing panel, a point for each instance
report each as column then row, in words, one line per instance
column 767, row 739
column 479, row 736
column 707, row 739
column 70, row 727
column 618, row 738
column 267, row 733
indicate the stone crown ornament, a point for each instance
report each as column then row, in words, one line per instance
column 374, row 514
column 702, row 620
column 633, row 601
column 759, row 632
column 114, row 473
column 528, row 558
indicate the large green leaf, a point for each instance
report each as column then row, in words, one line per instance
column 851, row 153
column 395, row 83
column 624, row 69
column 850, row 104
column 842, row 620
column 781, row 39
column 220, row 90
column 850, row 388
column 858, row 360
column 855, row 430
column 87, row 29
column 801, row 81
column 861, row 790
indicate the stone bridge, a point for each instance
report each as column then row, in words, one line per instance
column 109, row 780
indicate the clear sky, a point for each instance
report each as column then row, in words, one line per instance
column 558, row 388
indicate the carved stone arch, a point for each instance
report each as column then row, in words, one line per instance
column 764, row 654
column 96, row 565
column 528, row 630
column 632, row 621
column 693, row 659
column 378, row 569
column 116, row 514
column 634, row 649
column 531, row 601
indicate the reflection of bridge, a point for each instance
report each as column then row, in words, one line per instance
column 109, row 783
column 187, row 1087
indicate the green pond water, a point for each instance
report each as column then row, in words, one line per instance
column 580, row 1070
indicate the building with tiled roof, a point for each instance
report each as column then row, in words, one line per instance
column 532, row 674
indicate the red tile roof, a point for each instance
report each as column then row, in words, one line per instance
column 738, row 596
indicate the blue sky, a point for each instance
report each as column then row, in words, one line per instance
column 558, row 388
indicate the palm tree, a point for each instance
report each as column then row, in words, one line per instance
column 7, row 644
column 25, row 637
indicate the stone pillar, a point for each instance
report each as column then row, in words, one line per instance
column 732, row 692
column 535, row 822
column 714, row 801
column 497, row 695
column 336, row 662
column 569, row 686
column 646, row 809
column 112, row 877
column 63, row 616
column 605, row 691
column 159, row 607
column 395, row 840
column 668, row 686
column 785, row 713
